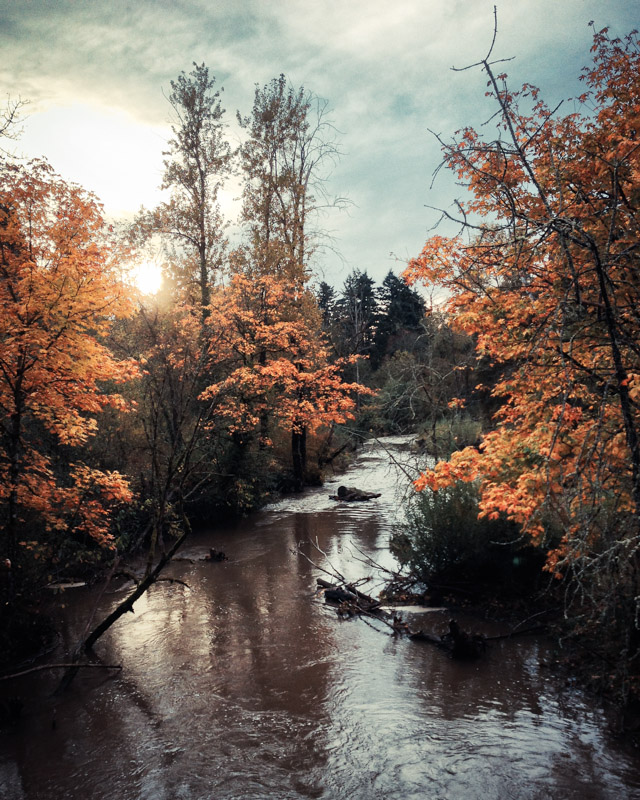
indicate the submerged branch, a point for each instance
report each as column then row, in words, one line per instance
column 42, row 667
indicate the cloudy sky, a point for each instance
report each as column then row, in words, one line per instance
column 94, row 73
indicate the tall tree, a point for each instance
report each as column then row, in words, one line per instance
column 548, row 284
column 285, row 159
column 357, row 317
column 198, row 163
column 60, row 292
column 401, row 311
column 326, row 297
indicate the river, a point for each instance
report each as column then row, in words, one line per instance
column 246, row 685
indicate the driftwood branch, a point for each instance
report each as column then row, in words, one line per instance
column 332, row 572
column 349, row 592
column 125, row 606
column 350, row 602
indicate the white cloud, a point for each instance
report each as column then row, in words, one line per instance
column 96, row 71
column 105, row 150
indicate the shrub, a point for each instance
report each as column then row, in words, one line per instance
column 451, row 433
column 443, row 540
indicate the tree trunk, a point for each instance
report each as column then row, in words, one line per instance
column 299, row 457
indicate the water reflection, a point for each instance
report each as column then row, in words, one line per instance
column 246, row 685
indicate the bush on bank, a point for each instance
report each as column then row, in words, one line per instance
column 445, row 545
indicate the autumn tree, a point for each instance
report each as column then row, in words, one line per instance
column 60, row 292
column 197, row 164
column 279, row 365
column 547, row 282
column 177, row 355
column 284, row 161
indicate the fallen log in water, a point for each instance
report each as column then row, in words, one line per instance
column 122, row 608
column 350, row 602
column 215, row 555
column 421, row 636
column 347, row 591
column 351, row 494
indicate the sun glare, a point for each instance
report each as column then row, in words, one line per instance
column 147, row 276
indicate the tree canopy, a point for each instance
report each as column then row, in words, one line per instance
column 545, row 278
column 60, row 291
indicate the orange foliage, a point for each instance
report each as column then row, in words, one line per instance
column 59, row 293
column 548, row 285
column 276, row 356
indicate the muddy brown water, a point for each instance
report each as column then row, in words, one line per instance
column 246, row 685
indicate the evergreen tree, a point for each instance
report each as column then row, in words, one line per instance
column 402, row 311
column 357, row 313
column 326, row 297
